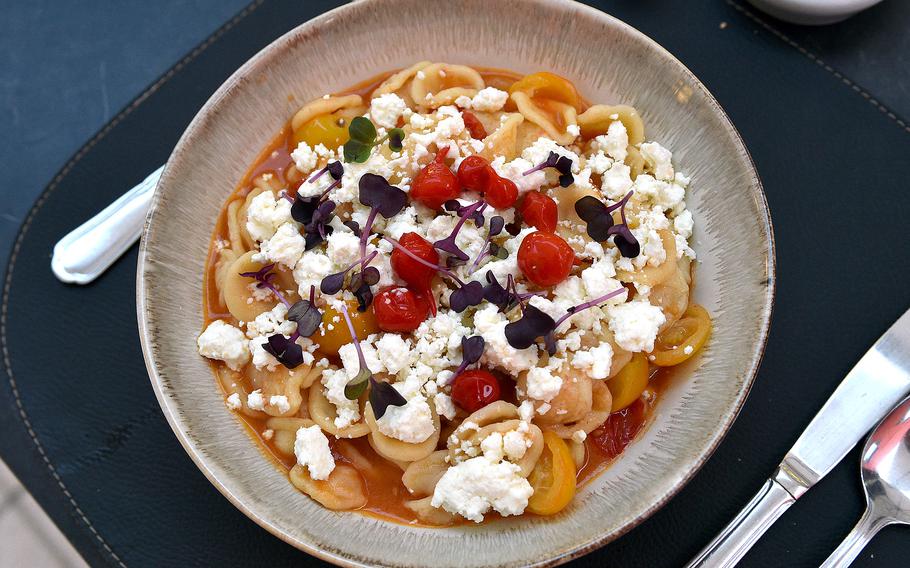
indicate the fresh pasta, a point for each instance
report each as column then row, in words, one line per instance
column 451, row 294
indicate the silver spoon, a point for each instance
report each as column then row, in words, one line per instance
column 885, row 468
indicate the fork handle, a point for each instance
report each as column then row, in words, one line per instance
column 89, row 249
column 867, row 527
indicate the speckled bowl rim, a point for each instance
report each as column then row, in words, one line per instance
column 559, row 557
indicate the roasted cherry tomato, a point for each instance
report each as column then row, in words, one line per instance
column 682, row 339
column 417, row 275
column 435, row 183
column 334, row 332
column 474, row 172
column 501, row 192
column 546, row 85
column 620, row 428
column 475, row 389
column 400, row 309
column 553, row 478
column 545, row 258
column 628, row 384
column 540, row 211
column 474, row 126
column 330, row 130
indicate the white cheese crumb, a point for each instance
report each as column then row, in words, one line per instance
column 268, row 434
column 312, row 450
column 347, row 411
column 265, row 214
column 444, row 405
column 286, row 246
column 412, row 423
column 304, row 158
column 280, row 402
column 635, row 325
column 224, row 342
column 386, row 109
column 542, row 384
column 658, row 158
column 488, row 99
column 595, row 361
column 255, row 400
column 615, row 142
column 474, row 486
column 394, row 351
column 515, row 445
column 233, row 402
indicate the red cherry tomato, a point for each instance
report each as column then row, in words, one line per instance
column 400, row 309
column 474, row 126
column 417, row 275
column 501, row 192
column 475, row 389
column 545, row 258
column 474, row 173
column 435, row 183
column 539, row 211
column 614, row 435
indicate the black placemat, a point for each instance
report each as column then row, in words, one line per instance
column 81, row 426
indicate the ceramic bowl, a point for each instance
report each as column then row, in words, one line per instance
column 609, row 62
column 813, row 12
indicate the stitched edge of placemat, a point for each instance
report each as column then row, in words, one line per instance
column 64, row 171
column 821, row 63
column 23, row 230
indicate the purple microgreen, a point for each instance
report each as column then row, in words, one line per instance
column 285, row 349
column 448, row 244
column 264, row 277
column 335, row 169
column 499, row 252
column 504, row 297
column 315, row 216
column 377, row 193
column 471, row 294
column 562, row 164
column 306, row 315
column 535, row 324
column 490, row 249
column 513, row 228
column 333, row 283
column 354, row 226
column 382, row 395
column 361, row 283
column 600, row 226
column 454, row 206
column 471, row 350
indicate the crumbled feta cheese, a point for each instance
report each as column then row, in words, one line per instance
column 444, row 405
column 514, row 171
column 261, row 357
column 474, row 486
column 268, row 434
column 304, row 157
column 343, row 247
column 596, row 362
column 658, row 158
column 286, row 246
column 599, row 281
column 233, row 402
column 515, row 445
column 312, row 450
column 573, row 130
column 635, row 325
column 542, row 384
column 491, row 325
column 394, row 351
column 411, row 423
column 537, row 152
column 488, row 99
column 347, row 412
column 617, row 181
column 255, row 400
column 224, row 342
column 312, row 267
column 615, row 142
column 386, row 109
column 280, row 402
column 526, row 411
column 265, row 214
column 270, row 323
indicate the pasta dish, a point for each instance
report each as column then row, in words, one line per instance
column 452, row 294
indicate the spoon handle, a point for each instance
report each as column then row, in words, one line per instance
column 869, row 524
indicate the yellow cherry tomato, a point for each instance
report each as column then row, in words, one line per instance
column 553, row 478
column 682, row 339
column 334, row 333
column 628, row 384
column 330, row 130
column 546, row 85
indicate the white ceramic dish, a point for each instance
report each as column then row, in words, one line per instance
column 608, row 61
column 813, row 12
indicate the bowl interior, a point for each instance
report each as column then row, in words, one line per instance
column 609, row 62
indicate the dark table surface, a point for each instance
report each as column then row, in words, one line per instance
column 67, row 68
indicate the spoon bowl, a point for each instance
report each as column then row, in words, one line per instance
column 885, row 469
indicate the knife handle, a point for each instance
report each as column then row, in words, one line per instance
column 738, row 537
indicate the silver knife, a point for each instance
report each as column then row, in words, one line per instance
column 89, row 249
column 879, row 380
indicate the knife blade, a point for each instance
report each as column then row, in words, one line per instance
column 873, row 386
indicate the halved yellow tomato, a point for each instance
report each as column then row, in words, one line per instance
column 334, row 331
column 329, row 130
column 682, row 339
column 553, row 478
column 628, row 384
column 546, row 85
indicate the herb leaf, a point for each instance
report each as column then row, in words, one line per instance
column 361, row 129
column 396, row 137
column 382, row 396
column 357, row 385
column 533, row 324
column 307, row 316
column 471, row 294
column 285, row 349
column 377, row 193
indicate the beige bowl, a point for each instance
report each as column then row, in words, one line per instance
column 609, row 62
